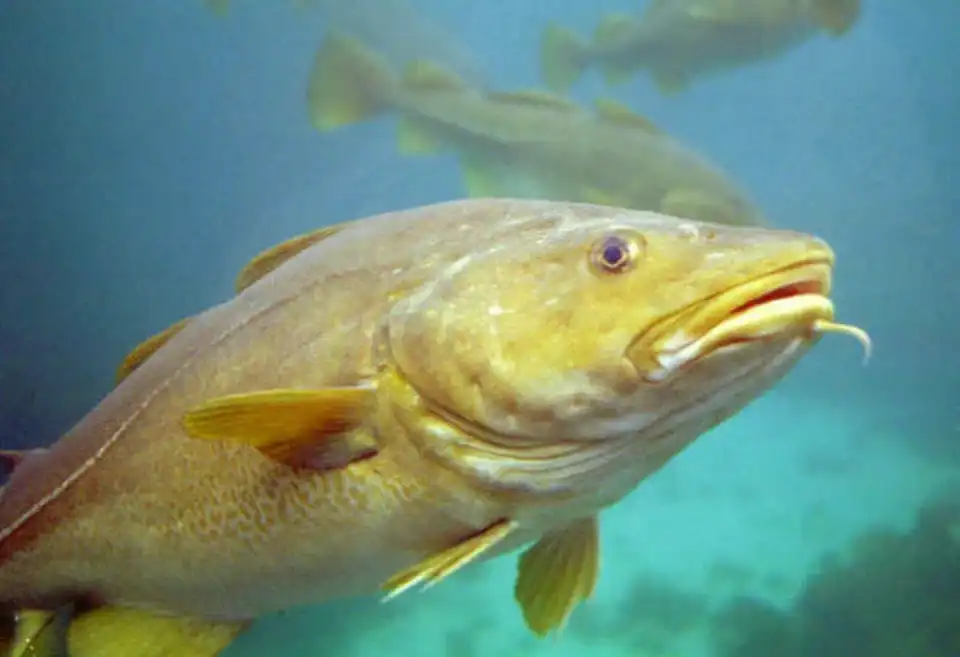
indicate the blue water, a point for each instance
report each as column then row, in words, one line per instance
column 148, row 149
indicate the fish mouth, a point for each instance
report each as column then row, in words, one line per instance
column 789, row 302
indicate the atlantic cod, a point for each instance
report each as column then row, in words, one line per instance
column 677, row 41
column 390, row 399
column 527, row 142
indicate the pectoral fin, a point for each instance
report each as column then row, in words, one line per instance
column 139, row 354
column 439, row 566
column 556, row 574
column 302, row 428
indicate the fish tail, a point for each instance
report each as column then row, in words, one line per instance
column 563, row 57
column 611, row 31
column 835, row 16
column 348, row 84
column 112, row 632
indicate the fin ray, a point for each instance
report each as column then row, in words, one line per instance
column 437, row 567
column 268, row 260
column 301, row 428
column 556, row 574
column 139, row 354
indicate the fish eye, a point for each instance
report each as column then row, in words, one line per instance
column 615, row 254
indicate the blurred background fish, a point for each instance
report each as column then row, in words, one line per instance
column 527, row 143
column 676, row 41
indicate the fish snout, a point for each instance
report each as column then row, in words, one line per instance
column 789, row 304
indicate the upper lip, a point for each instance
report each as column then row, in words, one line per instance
column 808, row 281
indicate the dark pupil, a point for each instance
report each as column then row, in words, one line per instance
column 614, row 253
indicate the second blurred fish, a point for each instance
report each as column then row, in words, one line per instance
column 526, row 143
column 679, row 40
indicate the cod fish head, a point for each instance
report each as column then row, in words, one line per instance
column 580, row 346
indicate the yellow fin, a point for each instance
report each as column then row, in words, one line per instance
column 427, row 76
column 266, row 261
column 302, row 428
column 563, row 57
column 670, row 83
column 534, row 98
column 835, row 16
column 139, row 354
column 415, row 137
column 118, row 632
column 613, row 28
column 479, row 180
column 613, row 111
column 556, row 574
column 40, row 633
column 348, row 84
column 439, row 566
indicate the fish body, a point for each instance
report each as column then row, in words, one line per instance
column 387, row 400
column 677, row 41
column 528, row 142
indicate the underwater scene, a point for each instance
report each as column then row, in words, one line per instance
column 438, row 328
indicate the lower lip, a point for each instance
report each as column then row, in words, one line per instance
column 671, row 360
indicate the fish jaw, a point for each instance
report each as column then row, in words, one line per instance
column 785, row 304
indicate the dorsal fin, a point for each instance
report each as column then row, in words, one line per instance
column 266, row 261
column 139, row 354
column 534, row 98
column 613, row 27
column 427, row 76
column 612, row 111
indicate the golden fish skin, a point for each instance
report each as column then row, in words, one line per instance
column 507, row 369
